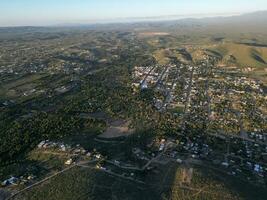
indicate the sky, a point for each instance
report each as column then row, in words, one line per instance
column 53, row 12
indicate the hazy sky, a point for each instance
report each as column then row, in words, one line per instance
column 48, row 12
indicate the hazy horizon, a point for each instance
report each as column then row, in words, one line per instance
column 36, row 13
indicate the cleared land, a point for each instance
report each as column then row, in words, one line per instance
column 116, row 129
column 147, row 34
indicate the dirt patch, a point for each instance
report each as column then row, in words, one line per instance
column 118, row 128
column 146, row 34
column 187, row 175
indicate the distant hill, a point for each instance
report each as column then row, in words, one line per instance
column 247, row 23
column 255, row 22
column 250, row 22
column 242, row 54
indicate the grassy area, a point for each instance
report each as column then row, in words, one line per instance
column 161, row 56
column 83, row 183
column 171, row 181
column 37, row 162
column 12, row 88
column 244, row 55
column 177, row 182
column 48, row 160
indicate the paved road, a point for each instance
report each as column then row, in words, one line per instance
column 161, row 76
column 168, row 98
column 112, row 173
column 187, row 101
column 157, row 157
column 124, row 167
column 148, row 74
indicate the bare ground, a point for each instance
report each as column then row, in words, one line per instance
column 118, row 128
column 147, row 34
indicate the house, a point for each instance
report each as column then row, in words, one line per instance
column 144, row 85
column 69, row 162
column 63, row 147
column 41, row 144
column 162, row 145
column 98, row 156
column 225, row 164
column 136, row 150
column 11, row 181
column 257, row 168
column 89, row 154
column 31, row 177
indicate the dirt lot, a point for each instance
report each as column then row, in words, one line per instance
column 118, row 128
column 147, row 34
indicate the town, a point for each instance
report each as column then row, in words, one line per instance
column 202, row 96
column 154, row 111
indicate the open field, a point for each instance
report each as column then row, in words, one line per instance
column 84, row 183
column 149, row 34
column 170, row 181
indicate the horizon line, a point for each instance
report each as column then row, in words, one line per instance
column 129, row 20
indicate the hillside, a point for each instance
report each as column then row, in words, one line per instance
column 242, row 54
